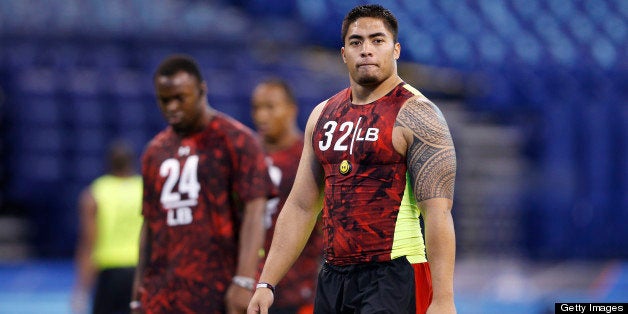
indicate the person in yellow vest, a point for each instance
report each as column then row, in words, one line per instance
column 108, row 244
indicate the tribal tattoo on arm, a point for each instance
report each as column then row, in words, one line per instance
column 431, row 156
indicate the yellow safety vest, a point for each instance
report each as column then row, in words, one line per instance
column 118, row 220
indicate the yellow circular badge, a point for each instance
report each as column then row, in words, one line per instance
column 345, row 167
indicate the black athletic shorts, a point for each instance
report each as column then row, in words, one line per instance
column 384, row 287
column 113, row 291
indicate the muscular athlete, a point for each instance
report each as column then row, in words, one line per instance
column 382, row 155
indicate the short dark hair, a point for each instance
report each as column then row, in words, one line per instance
column 120, row 155
column 282, row 84
column 371, row 10
column 176, row 63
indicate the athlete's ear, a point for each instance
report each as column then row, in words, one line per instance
column 342, row 53
column 202, row 89
column 397, row 52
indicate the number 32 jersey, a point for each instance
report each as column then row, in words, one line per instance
column 195, row 188
column 369, row 211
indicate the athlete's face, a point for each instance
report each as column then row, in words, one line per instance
column 370, row 51
column 181, row 98
column 272, row 111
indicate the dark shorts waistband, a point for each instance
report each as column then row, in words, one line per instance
column 346, row 269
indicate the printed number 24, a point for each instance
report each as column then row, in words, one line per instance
column 179, row 211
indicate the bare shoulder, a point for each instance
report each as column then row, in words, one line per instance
column 420, row 117
column 314, row 115
column 430, row 153
column 87, row 202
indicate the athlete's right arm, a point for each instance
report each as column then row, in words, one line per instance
column 295, row 221
column 144, row 255
column 86, row 269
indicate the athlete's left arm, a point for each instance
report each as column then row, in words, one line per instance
column 422, row 135
column 252, row 235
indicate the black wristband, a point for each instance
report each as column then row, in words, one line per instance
column 266, row 285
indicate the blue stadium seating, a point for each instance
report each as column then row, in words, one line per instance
column 78, row 74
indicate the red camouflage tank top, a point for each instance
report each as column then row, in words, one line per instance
column 369, row 212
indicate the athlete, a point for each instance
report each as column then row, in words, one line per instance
column 110, row 223
column 274, row 111
column 382, row 156
column 205, row 189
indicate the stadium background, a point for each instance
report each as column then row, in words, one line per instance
column 535, row 92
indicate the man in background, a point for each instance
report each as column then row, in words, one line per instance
column 274, row 110
column 110, row 221
column 206, row 183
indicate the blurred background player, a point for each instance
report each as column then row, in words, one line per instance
column 274, row 111
column 110, row 221
column 206, row 186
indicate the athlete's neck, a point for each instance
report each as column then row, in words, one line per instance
column 206, row 115
column 123, row 173
column 284, row 142
column 365, row 94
